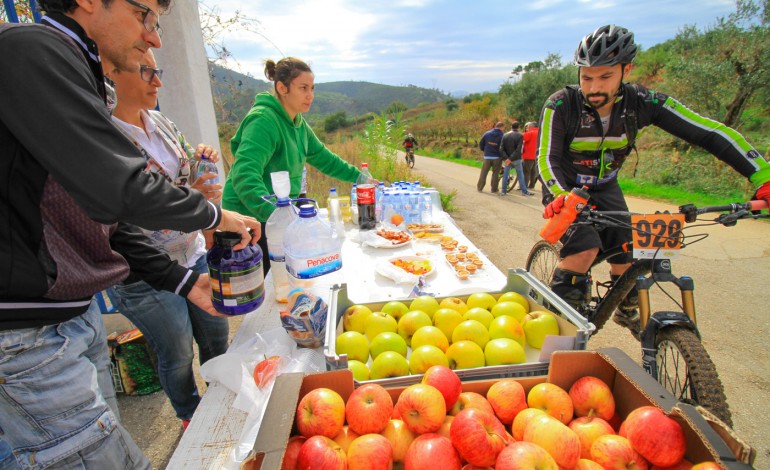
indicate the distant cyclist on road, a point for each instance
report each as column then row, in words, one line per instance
column 587, row 132
column 409, row 144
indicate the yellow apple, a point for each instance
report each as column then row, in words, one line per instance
column 465, row 355
column 513, row 309
column 471, row 330
column 379, row 322
column 388, row 341
column 479, row 314
column 426, row 303
column 389, row 364
column 446, row 319
column 410, row 322
column 395, row 309
column 424, row 357
column 354, row 344
column 537, row 325
column 455, row 303
column 514, row 297
column 430, row 335
column 481, row 299
column 506, row 327
column 354, row 317
column 504, row 351
column 359, row 369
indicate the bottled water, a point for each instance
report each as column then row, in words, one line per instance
column 313, row 253
column 414, row 207
column 354, row 204
column 275, row 229
column 207, row 166
column 379, row 193
column 426, row 208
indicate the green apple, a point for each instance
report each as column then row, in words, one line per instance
column 479, row 314
column 511, row 308
column 465, row 355
column 354, row 344
column 359, row 369
column 388, row 364
column 537, row 325
column 471, row 330
column 388, row 341
column 354, row 317
column 455, row 303
column 379, row 322
column 430, row 335
column 446, row 319
column 424, row 357
column 506, row 327
column 411, row 322
column 426, row 303
column 514, row 297
column 502, row 351
column 481, row 299
column 395, row 309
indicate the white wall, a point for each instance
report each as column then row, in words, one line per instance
column 185, row 97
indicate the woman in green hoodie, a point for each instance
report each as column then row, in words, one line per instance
column 274, row 137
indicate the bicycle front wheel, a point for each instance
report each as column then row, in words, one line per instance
column 542, row 261
column 411, row 161
column 686, row 370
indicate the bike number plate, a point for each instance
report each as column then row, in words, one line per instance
column 657, row 236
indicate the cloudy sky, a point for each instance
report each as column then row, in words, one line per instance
column 446, row 44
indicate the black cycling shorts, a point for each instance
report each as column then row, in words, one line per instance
column 584, row 237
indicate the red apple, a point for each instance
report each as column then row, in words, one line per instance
column 588, row 429
column 706, row 466
column 446, row 381
column 615, row 422
column 475, row 467
column 615, row 453
column 446, row 426
column 478, row 436
column 592, row 397
column 471, row 400
column 432, row 451
column 321, row 412
column 556, row 438
column 507, row 398
column 553, row 400
column 685, row 464
column 345, row 437
column 400, row 438
column 525, row 456
column 657, row 437
column 368, row 409
column 370, row 452
column 321, row 453
column 291, row 453
column 522, row 419
column 422, row 408
column 585, row 464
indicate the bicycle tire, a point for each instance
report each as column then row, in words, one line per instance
column 411, row 161
column 611, row 301
column 686, row 370
column 542, row 260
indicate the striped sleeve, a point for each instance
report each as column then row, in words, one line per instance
column 550, row 150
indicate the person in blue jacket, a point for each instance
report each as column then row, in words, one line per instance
column 490, row 144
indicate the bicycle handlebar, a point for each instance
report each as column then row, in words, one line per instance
column 735, row 211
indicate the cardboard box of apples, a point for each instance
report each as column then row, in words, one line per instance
column 507, row 333
column 594, row 410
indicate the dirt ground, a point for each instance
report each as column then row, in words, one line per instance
column 731, row 269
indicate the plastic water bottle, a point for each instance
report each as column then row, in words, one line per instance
column 275, row 229
column 354, row 204
column 414, row 203
column 426, row 208
column 313, row 252
column 379, row 193
column 366, row 197
column 334, row 209
column 207, row 166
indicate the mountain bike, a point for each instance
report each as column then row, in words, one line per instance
column 409, row 155
column 672, row 350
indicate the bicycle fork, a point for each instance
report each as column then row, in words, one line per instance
column 651, row 324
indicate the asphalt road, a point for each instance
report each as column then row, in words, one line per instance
column 731, row 269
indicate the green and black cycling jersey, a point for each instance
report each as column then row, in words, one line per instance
column 574, row 154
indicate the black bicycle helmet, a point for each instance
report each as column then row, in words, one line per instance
column 608, row 45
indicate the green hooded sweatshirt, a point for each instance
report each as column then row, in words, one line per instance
column 268, row 141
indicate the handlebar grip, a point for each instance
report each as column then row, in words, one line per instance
column 757, row 205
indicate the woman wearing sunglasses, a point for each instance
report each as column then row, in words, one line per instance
column 168, row 321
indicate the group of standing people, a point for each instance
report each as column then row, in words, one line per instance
column 510, row 150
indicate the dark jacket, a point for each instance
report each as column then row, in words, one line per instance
column 67, row 177
column 512, row 145
column 490, row 143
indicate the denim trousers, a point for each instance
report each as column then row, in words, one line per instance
column 56, row 398
column 519, row 173
column 170, row 323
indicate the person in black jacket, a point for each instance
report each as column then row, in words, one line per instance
column 71, row 186
column 490, row 144
column 510, row 150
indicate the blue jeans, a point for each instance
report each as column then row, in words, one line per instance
column 169, row 323
column 56, row 396
column 517, row 164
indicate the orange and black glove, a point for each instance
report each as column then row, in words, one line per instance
column 554, row 207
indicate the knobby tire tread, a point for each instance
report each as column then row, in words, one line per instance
column 702, row 373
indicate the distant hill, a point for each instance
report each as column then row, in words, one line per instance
column 235, row 94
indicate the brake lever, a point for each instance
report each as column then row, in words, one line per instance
column 730, row 220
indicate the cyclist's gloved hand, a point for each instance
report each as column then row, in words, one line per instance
column 763, row 192
column 554, row 207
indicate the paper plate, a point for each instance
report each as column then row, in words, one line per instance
column 417, row 261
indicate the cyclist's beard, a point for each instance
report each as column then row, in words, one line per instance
column 597, row 105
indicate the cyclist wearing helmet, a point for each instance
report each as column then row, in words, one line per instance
column 409, row 143
column 586, row 134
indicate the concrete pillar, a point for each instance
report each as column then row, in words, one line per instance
column 185, row 97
